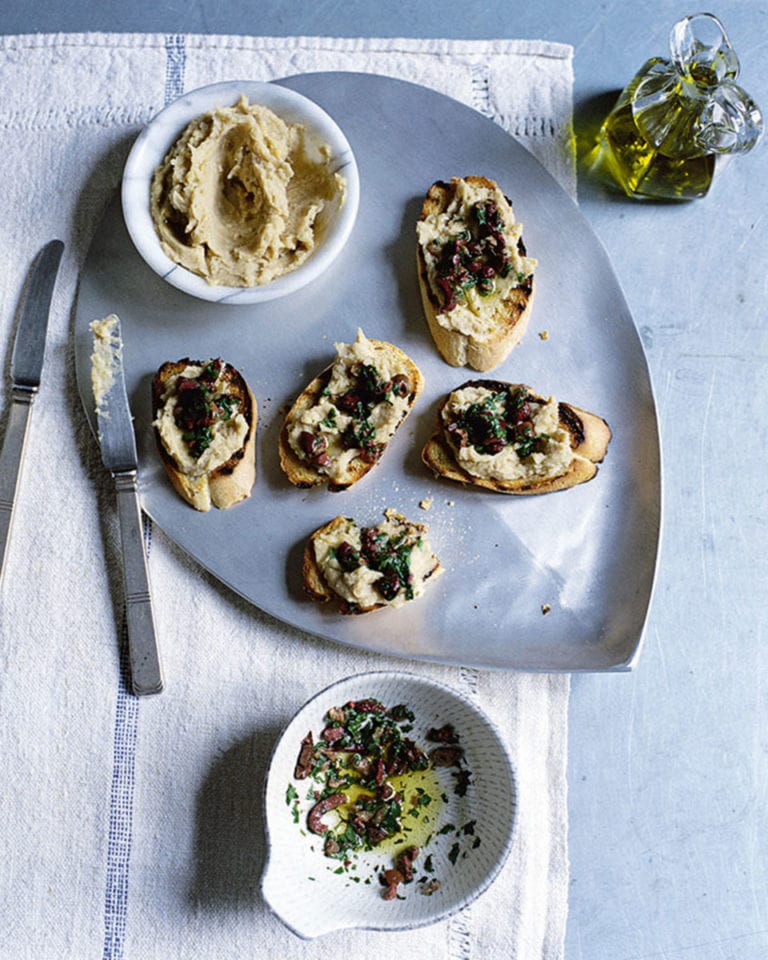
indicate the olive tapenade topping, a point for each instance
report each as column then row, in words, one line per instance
column 367, row 390
column 362, row 768
column 401, row 873
column 199, row 407
column 474, row 257
column 314, row 446
column 388, row 555
column 361, row 745
column 502, row 419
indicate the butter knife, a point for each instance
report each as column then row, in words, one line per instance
column 26, row 370
column 118, row 452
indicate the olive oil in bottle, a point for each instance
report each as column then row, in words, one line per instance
column 678, row 117
column 640, row 168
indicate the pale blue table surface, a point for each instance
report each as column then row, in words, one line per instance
column 668, row 765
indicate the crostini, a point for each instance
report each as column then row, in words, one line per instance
column 475, row 277
column 368, row 568
column 339, row 427
column 502, row 437
column 205, row 417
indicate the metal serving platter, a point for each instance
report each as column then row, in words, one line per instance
column 588, row 555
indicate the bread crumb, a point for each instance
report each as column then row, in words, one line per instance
column 545, row 608
column 544, row 335
column 426, row 503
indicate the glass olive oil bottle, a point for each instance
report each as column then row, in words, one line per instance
column 679, row 117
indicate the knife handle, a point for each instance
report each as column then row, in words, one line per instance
column 11, row 457
column 146, row 670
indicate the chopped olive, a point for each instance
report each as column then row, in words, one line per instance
column 474, row 257
column 348, row 557
column 401, row 385
column 199, row 408
column 373, row 386
column 315, row 446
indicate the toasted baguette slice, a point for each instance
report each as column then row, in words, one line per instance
column 225, row 482
column 503, row 319
column 588, row 434
column 346, row 465
column 356, row 591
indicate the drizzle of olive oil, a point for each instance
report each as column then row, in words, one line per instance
column 418, row 821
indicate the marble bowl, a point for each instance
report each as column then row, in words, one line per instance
column 465, row 840
column 162, row 132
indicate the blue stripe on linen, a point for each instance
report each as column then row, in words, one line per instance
column 127, row 706
column 120, row 810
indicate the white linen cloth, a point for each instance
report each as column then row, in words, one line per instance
column 133, row 828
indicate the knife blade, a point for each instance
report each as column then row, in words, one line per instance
column 118, row 452
column 26, row 371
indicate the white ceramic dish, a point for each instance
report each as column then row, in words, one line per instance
column 305, row 888
column 335, row 221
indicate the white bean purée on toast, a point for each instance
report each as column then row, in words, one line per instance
column 205, row 418
column 339, row 427
column 475, row 277
column 367, row 568
column 502, row 437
